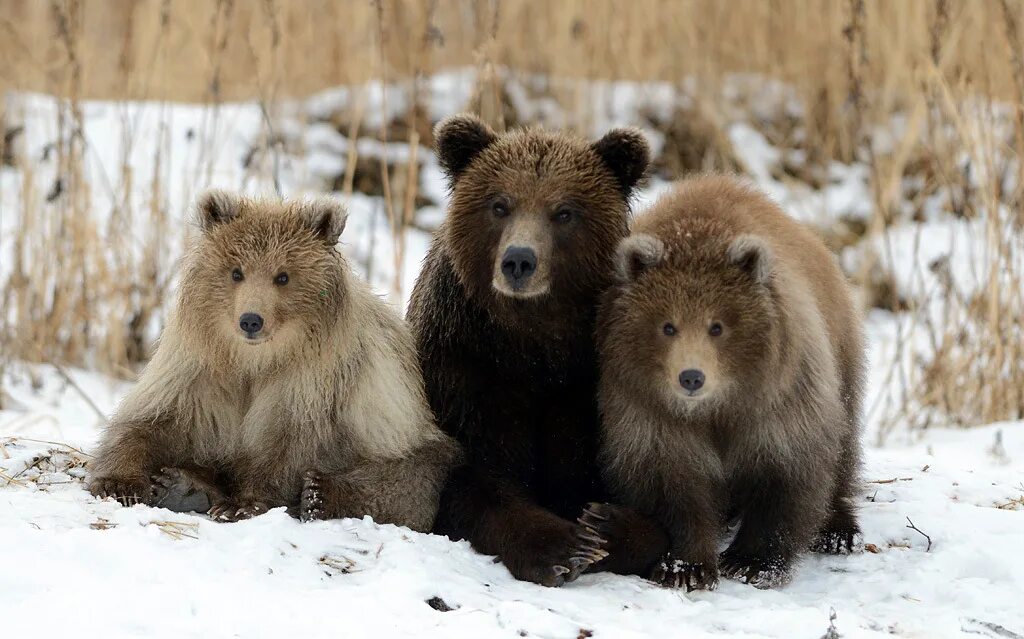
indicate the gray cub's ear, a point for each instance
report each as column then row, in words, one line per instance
column 753, row 255
column 626, row 153
column 326, row 216
column 458, row 140
column 215, row 207
column 636, row 254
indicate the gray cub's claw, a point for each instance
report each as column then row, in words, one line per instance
column 763, row 573
column 311, row 501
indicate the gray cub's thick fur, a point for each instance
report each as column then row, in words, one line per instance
column 279, row 380
column 731, row 379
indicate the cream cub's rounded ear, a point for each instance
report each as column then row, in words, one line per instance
column 215, row 207
column 326, row 216
column 753, row 255
column 636, row 254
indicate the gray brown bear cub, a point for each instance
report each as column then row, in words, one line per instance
column 731, row 378
column 280, row 380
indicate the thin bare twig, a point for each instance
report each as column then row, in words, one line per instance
column 925, row 535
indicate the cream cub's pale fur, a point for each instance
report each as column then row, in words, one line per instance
column 280, row 380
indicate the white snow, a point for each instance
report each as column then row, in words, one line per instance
column 76, row 565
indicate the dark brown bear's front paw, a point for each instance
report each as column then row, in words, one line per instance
column 549, row 555
column 237, row 510
column 693, row 575
column 760, row 572
column 128, row 491
column 311, row 500
column 620, row 540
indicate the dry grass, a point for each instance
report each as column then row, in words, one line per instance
column 77, row 294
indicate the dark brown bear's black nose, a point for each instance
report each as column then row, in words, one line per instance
column 251, row 323
column 518, row 265
column 691, row 379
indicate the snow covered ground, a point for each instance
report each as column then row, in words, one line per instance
column 74, row 565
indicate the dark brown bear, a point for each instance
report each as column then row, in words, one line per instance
column 504, row 314
column 731, row 380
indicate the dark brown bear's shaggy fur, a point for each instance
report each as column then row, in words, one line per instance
column 320, row 407
column 506, row 341
column 731, row 381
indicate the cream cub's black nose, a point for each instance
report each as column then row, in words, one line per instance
column 691, row 379
column 251, row 324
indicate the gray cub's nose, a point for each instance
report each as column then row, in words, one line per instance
column 251, row 323
column 691, row 379
column 518, row 265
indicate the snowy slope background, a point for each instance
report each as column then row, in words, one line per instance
column 942, row 510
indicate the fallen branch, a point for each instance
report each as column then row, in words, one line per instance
column 987, row 628
column 915, row 528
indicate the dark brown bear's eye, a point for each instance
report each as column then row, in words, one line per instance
column 500, row 209
column 281, row 279
column 237, row 275
column 668, row 329
column 715, row 330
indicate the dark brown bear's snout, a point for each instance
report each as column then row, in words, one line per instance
column 692, row 380
column 251, row 324
column 518, row 265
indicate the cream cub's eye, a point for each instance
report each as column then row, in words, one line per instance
column 236, row 275
column 281, row 279
column 715, row 329
column 668, row 329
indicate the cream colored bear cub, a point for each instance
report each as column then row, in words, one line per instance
column 280, row 380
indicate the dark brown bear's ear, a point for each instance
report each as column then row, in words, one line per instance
column 458, row 140
column 626, row 153
column 753, row 255
column 215, row 207
column 636, row 254
column 325, row 216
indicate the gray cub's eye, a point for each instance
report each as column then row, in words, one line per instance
column 668, row 329
column 499, row 209
column 715, row 330
column 237, row 275
column 281, row 279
